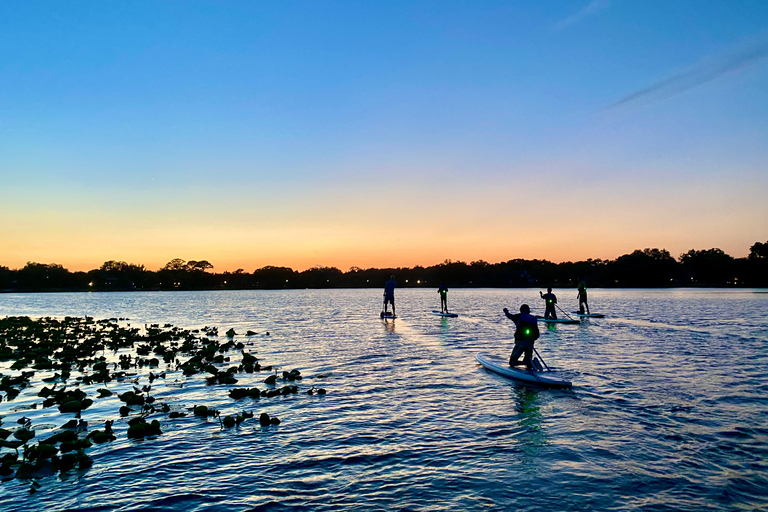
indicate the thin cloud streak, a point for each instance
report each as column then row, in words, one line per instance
column 593, row 7
column 705, row 71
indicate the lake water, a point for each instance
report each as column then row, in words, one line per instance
column 669, row 409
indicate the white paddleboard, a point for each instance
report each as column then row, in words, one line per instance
column 446, row 315
column 501, row 366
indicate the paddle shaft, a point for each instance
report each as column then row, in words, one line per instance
column 566, row 314
column 541, row 359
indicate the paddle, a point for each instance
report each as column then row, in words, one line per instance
column 566, row 314
column 541, row 359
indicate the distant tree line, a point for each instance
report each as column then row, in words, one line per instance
column 641, row 268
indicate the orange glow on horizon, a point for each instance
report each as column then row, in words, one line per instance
column 420, row 225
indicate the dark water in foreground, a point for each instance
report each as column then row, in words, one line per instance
column 669, row 409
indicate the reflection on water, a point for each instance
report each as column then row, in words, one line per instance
column 389, row 326
column 668, row 409
column 530, row 418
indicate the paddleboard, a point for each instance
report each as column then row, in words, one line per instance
column 588, row 315
column 388, row 314
column 557, row 320
column 501, row 366
column 447, row 315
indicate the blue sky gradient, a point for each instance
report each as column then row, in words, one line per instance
column 380, row 133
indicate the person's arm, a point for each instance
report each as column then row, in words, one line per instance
column 541, row 294
column 512, row 317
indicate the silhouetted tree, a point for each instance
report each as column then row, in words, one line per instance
column 239, row 279
column 119, row 275
column 451, row 273
column 755, row 270
column 6, row 278
column 43, row 276
column 275, row 277
column 119, row 266
column 174, row 275
column 758, row 251
column 710, row 266
column 321, row 277
column 175, row 264
column 199, row 266
column 647, row 267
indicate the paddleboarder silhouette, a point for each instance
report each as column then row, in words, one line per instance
column 389, row 295
column 443, row 291
column 583, row 297
column 525, row 335
column 549, row 302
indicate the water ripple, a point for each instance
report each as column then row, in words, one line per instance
column 668, row 411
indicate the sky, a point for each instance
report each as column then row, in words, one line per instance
column 380, row 134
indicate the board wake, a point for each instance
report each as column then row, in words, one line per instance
column 588, row 315
column 557, row 320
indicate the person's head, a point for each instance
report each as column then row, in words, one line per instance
column 525, row 309
column 392, row 278
column 549, row 290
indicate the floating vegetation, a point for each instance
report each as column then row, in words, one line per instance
column 231, row 421
column 202, row 410
column 72, row 354
column 265, row 420
column 138, row 428
column 105, row 436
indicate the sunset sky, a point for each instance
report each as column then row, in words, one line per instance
column 380, row 133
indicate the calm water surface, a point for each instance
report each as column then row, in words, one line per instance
column 669, row 409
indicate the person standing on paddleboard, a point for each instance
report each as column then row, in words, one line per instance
column 583, row 297
column 389, row 294
column 443, row 291
column 526, row 334
column 549, row 304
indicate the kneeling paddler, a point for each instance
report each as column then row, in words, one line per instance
column 526, row 334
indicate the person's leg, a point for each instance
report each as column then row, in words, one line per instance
column 527, row 358
column 393, row 306
column 516, row 352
